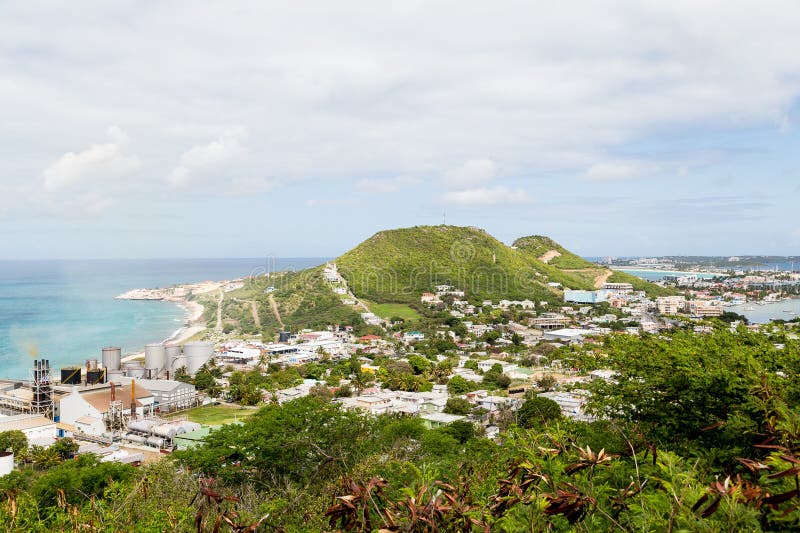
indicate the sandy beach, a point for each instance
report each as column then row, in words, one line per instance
column 194, row 325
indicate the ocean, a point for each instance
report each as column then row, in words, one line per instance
column 658, row 275
column 65, row 311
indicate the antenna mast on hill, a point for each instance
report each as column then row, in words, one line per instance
column 444, row 219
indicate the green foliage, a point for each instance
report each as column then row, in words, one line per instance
column 14, row 441
column 538, row 411
column 457, row 406
column 674, row 387
column 396, row 266
column 458, row 385
column 495, row 379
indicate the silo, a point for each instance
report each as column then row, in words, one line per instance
column 197, row 354
column 91, row 364
column 114, row 375
column 112, row 356
column 155, row 357
column 174, row 357
column 136, row 372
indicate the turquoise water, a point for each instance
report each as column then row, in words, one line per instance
column 760, row 314
column 657, row 275
column 65, row 311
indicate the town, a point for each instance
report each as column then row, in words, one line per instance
column 458, row 361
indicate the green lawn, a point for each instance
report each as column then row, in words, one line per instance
column 393, row 310
column 216, row 415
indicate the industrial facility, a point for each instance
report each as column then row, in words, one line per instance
column 107, row 401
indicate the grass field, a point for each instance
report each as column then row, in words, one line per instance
column 216, row 415
column 392, row 310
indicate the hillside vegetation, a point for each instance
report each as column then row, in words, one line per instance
column 397, row 265
column 303, row 300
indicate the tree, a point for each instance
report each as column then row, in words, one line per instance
column 494, row 378
column 538, row 411
column 14, row 441
column 65, row 448
column 546, row 382
column 457, row 406
column 345, row 391
column 490, row 337
column 204, row 380
column 321, row 391
column 419, row 364
column 461, row 430
column 458, row 385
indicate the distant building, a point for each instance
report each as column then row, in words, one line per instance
column 413, row 336
column 705, row 308
column 585, row 297
column 570, row 335
column 670, row 305
column 619, row 287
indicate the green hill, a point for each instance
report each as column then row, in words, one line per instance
column 398, row 265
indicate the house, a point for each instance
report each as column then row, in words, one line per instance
column 487, row 365
column 570, row 335
column 437, row 420
column 429, row 298
column 493, row 403
column 413, row 336
column 370, row 319
column 571, row 403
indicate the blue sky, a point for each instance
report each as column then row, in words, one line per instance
column 178, row 129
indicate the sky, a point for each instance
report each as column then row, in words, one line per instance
column 144, row 129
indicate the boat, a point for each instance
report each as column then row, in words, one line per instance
column 749, row 308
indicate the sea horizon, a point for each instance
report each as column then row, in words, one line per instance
column 64, row 309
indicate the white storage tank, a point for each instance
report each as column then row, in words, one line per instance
column 173, row 351
column 132, row 437
column 142, row 426
column 155, row 356
column 136, row 372
column 197, row 354
column 112, row 357
column 6, row 463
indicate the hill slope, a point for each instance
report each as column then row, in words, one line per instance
column 398, row 265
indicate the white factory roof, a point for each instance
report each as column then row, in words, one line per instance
column 160, row 385
column 23, row 422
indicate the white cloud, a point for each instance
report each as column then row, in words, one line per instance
column 387, row 186
column 473, row 172
column 248, row 186
column 621, row 170
column 487, row 196
column 99, row 162
column 203, row 158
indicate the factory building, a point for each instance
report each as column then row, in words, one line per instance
column 92, row 406
column 168, row 395
column 37, row 428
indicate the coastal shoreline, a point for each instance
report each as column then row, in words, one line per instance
column 177, row 295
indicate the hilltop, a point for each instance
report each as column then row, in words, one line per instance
column 398, row 265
